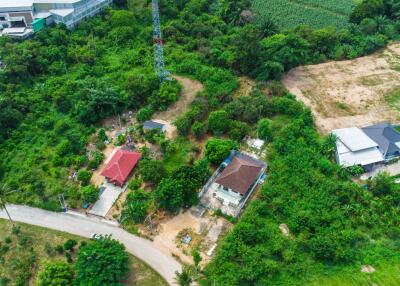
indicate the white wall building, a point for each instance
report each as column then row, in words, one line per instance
column 17, row 17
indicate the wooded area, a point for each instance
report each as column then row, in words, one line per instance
column 57, row 86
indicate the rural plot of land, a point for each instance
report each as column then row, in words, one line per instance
column 289, row 14
column 357, row 92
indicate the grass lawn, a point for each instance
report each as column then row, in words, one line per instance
column 386, row 274
column 178, row 153
column 22, row 254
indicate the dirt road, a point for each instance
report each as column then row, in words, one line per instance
column 190, row 88
column 85, row 226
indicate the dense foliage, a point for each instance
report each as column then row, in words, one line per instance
column 56, row 274
column 102, row 262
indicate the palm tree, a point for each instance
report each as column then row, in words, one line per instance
column 4, row 193
column 185, row 277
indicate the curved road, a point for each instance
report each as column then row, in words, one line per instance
column 85, row 226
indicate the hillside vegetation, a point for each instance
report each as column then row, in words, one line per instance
column 60, row 84
column 288, row 14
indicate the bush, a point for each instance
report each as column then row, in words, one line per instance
column 134, row 184
column 199, row 129
column 218, row 149
column 135, row 206
column 84, row 177
column 152, row 170
column 264, row 130
column 60, row 249
column 90, row 193
column 56, row 274
column 70, row 244
column 219, row 122
column 102, row 262
column 144, row 114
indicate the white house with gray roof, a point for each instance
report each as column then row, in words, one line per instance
column 368, row 146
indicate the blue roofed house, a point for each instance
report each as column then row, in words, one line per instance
column 387, row 138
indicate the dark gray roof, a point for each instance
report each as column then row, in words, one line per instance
column 149, row 125
column 386, row 136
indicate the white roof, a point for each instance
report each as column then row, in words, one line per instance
column 42, row 14
column 15, row 3
column 363, row 157
column 354, row 138
column 14, row 30
column 62, row 12
column 56, row 1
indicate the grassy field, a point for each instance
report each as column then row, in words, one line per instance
column 22, row 254
column 314, row 13
column 385, row 275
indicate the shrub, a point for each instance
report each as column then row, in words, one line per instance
column 135, row 206
column 84, row 177
column 56, row 274
column 135, row 184
column 70, row 244
column 218, row 149
column 152, row 170
column 90, row 193
column 219, row 122
column 144, row 114
column 59, row 248
column 199, row 129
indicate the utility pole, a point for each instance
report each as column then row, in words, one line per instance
column 159, row 63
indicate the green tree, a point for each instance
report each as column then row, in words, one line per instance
column 90, row 193
column 144, row 114
column 84, row 176
column 219, row 122
column 70, row 244
column 218, row 149
column 169, row 195
column 152, row 170
column 102, row 262
column 56, row 274
column 135, row 206
column 264, row 130
column 184, row 278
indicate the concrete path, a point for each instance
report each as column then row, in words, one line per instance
column 85, row 226
column 107, row 199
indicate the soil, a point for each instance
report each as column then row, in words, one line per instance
column 190, row 88
column 349, row 93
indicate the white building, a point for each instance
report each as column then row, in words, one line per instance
column 21, row 18
column 354, row 147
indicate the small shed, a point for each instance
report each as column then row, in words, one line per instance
column 151, row 125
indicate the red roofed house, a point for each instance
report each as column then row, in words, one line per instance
column 120, row 166
column 238, row 178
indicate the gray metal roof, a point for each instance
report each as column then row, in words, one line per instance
column 149, row 124
column 386, row 136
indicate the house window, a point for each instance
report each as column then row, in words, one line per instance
column 2, row 18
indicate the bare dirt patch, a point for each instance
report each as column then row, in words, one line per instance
column 349, row 93
column 190, row 88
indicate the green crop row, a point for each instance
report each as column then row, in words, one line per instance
column 314, row 13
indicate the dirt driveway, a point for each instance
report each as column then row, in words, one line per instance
column 350, row 93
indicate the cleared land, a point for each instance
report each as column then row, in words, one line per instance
column 350, row 93
column 27, row 251
column 314, row 13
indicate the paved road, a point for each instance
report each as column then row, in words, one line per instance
column 85, row 226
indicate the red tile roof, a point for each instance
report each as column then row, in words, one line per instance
column 239, row 175
column 120, row 166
